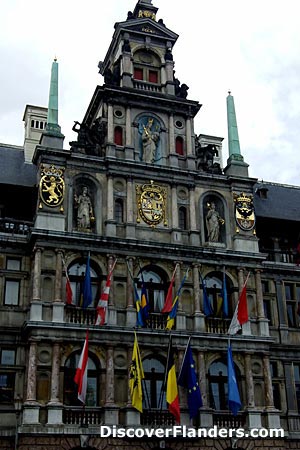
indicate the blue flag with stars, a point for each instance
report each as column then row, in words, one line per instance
column 234, row 400
column 188, row 379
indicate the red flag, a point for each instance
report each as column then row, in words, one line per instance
column 69, row 293
column 240, row 315
column 169, row 298
column 103, row 302
column 81, row 372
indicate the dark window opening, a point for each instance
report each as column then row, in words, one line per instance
column 119, row 211
column 182, row 216
column 179, row 146
column 118, row 136
column 153, row 76
column 138, row 74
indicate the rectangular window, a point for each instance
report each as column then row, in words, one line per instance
column 12, row 288
column 8, row 357
column 7, row 383
column 153, row 76
column 290, row 307
column 138, row 74
column 13, row 264
column 297, row 384
column 288, row 291
column 268, row 310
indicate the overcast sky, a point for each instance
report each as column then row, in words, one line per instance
column 250, row 47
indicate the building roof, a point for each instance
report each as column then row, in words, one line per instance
column 277, row 201
column 14, row 170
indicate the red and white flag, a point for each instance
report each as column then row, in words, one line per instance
column 240, row 315
column 81, row 372
column 169, row 298
column 103, row 302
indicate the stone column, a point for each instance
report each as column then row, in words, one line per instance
column 55, row 406
column 206, row 417
column 31, row 375
column 130, row 226
column 254, row 417
column 173, row 157
column 110, row 222
column 174, row 207
column 128, row 126
column 58, row 305
column 263, row 322
column 194, row 234
column 36, row 290
column 189, row 147
column 110, row 125
column 36, row 307
column 131, row 310
column 273, row 417
column 111, row 411
column 249, row 381
column 199, row 319
column 31, row 406
column 181, row 317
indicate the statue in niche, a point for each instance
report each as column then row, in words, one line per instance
column 213, row 221
column 85, row 214
column 150, row 140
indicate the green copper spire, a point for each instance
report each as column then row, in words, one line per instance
column 233, row 135
column 52, row 118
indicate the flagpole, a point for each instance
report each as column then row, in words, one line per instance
column 186, row 348
column 163, row 387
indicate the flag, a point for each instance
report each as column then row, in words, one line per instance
column 234, row 401
column 240, row 315
column 101, row 318
column 87, row 286
column 207, row 308
column 144, row 301
column 224, row 296
column 169, row 298
column 173, row 312
column 139, row 317
column 69, row 293
column 81, row 372
column 188, row 379
column 172, row 389
column 136, row 375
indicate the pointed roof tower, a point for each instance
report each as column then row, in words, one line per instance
column 235, row 162
column 53, row 130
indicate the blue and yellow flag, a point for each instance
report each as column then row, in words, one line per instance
column 172, row 314
column 144, row 301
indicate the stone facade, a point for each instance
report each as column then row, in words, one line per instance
column 140, row 191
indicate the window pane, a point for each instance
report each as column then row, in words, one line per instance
column 153, row 76
column 138, row 74
column 11, row 292
column 13, row 264
column 7, row 381
column 8, row 357
column 288, row 291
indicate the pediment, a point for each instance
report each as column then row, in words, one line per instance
column 147, row 26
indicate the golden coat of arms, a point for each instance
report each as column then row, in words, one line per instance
column 244, row 211
column 52, row 186
column 151, row 202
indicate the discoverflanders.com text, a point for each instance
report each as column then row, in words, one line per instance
column 189, row 432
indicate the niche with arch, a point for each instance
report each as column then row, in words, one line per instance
column 86, row 206
column 213, row 213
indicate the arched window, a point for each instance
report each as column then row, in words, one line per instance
column 156, row 287
column 70, row 387
column 76, row 274
column 154, row 370
column 119, row 211
column 179, row 146
column 182, row 218
column 32, row 123
column 118, row 138
column 146, row 66
column 218, row 385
